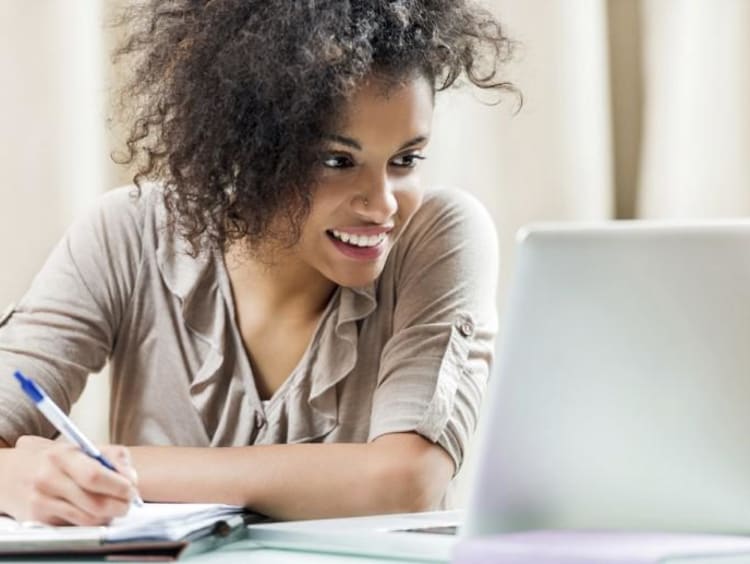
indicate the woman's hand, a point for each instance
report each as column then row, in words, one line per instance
column 55, row 483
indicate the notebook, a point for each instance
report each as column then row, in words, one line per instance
column 161, row 530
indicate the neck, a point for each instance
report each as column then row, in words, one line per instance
column 285, row 285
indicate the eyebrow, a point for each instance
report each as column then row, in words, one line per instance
column 354, row 144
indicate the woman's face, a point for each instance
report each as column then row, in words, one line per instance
column 368, row 183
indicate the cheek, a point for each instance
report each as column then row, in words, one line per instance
column 324, row 205
column 329, row 195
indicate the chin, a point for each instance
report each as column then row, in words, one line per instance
column 356, row 279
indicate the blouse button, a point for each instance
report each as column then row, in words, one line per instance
column 466, row 327
column 259, row 421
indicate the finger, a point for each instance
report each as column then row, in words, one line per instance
column 100, row 507
column 56, row 511
column 92, row 477
column 120, row 457
column 52, row 482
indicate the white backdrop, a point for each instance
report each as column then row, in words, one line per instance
column 696, row 147
column 678, row 65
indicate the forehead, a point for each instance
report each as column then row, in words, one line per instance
column 383, row 109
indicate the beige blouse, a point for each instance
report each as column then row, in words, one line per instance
column 410, row 352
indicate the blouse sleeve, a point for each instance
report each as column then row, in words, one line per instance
column 65, row 326
column 434, row 368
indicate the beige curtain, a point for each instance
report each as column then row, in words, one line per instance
column 696, row 143
column 632, row 108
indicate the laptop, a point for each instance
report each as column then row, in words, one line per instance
column 620, row 398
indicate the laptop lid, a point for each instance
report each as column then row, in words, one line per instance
column 621, row 395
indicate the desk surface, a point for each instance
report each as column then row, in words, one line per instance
column 241, row 552
column 260, row 543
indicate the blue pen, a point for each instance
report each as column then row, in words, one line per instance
column 63, row 424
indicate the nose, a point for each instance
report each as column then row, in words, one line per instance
column 376, row 199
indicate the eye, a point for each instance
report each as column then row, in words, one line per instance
column 338, row 161
column 409, row 160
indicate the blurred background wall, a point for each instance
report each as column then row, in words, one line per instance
column 632, row 108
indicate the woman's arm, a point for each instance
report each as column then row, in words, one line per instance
column 65, row 326
column 395, row 473
column 63, row 329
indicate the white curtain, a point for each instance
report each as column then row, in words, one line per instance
column 30, row 136
column 696, row 144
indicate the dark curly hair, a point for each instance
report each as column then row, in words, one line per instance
column 230, row 99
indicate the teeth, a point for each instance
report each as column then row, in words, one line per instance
column 359, row 240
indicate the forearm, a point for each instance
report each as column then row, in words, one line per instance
column 297, row 481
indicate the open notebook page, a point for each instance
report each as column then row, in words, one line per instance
column 153, row 521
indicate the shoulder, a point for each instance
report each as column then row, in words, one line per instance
column 120, row 217
column 453, row 202
column 450, row 249
column 449, row 218
column 125, row 208
column 117, row 227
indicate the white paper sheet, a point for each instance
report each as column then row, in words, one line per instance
column 152, row 522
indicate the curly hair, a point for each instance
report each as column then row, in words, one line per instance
column 230, row 99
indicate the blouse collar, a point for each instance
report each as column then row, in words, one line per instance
column 194, row 280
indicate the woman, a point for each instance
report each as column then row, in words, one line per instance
column 286, row 290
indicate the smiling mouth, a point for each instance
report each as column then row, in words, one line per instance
column 359, row 246
column 357, row 241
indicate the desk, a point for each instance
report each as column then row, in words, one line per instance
column 242, row 552
column 306, row 542
column 548, row 547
